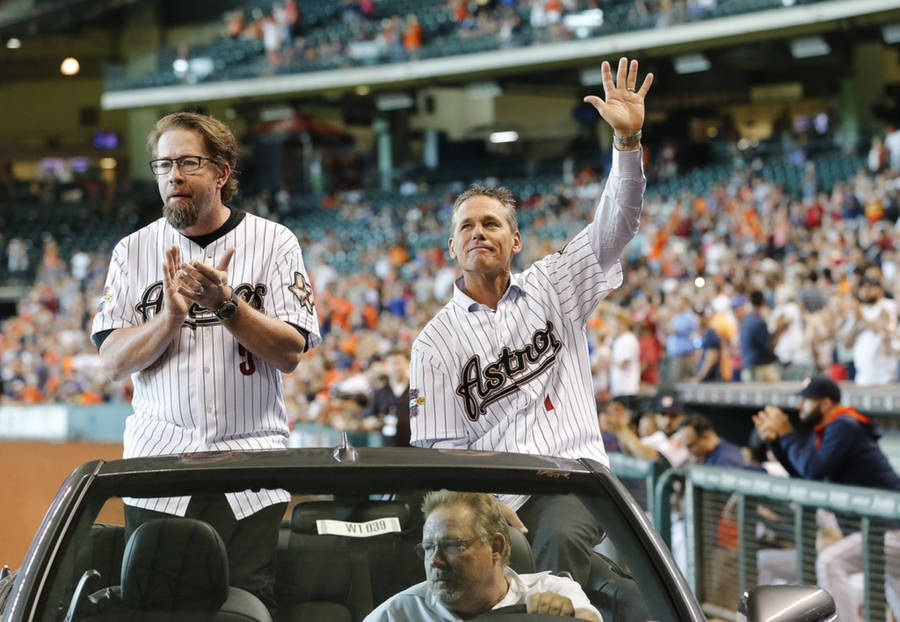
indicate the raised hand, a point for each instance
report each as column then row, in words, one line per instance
column 205, row 285
column 175, row 303
column 623, row 108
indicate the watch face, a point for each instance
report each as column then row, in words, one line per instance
column 227, row 310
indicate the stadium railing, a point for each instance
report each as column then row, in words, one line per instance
column 743, row 528
column 735, row 519
column 639, row 476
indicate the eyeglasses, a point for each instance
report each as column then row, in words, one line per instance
column 450, row 546
column 186, row 164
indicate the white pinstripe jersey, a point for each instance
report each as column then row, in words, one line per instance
column 207, row 392
column 518, row 379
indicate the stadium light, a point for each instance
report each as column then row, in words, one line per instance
column 504, row 137
column 691, row 63
column 70, row 66
column 13, row 43
column 591, row 76
column 393, row 101
column 276, row 112
column 483, row 90
column 808, row 47
column 585, row 22
column 891, row 33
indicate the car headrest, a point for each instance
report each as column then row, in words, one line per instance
column 384, row 509
column 521, row 558
column 175, row 564
column 305, row 515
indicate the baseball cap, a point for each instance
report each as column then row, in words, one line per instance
column 667, row 403
column 818, row 387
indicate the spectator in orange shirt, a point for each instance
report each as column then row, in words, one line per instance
column 460, row 10
column 412, row 34
column 235, row 24
column 341, row 308
column 398, row 255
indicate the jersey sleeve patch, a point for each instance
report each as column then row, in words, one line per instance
column 415, row 400
column 303, row 291
column 105, row 300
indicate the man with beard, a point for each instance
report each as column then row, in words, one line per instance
column 206, row 308
column 842, row 448
column 466, row 548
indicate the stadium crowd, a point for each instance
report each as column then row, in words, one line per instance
column 742, row 282
column 362, row 32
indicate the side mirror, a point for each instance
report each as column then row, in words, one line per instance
column 6, row 582
column 786, row 603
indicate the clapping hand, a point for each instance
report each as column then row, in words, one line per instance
column 205, row 285
column 772, row 423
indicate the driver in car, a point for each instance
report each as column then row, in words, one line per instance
column 466, row 549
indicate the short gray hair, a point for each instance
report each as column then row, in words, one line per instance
column 485, row 510
column 500, row 194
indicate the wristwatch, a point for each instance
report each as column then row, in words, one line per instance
column 228, row 309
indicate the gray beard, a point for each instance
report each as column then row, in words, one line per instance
column 181, row 214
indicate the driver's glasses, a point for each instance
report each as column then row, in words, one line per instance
column 449, row 546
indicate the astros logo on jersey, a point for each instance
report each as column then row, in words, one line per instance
column 152, row 301
column 503, row 377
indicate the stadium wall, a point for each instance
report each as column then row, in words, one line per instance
column 41, row 119
column 32, row 473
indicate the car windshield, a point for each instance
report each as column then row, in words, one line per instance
column 347, row 540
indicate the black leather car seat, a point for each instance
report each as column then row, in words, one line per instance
column 177, row 569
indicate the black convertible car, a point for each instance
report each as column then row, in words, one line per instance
column 79, row 566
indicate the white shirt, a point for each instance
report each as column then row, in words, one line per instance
column 892, row 142
column 419, row 604
column 627, row 381
column 669, row 446
column 875, row 363
column 518, row 379
column 792, row 346
column 207, row 392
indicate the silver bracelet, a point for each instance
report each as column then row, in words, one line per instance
column 627, row 143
